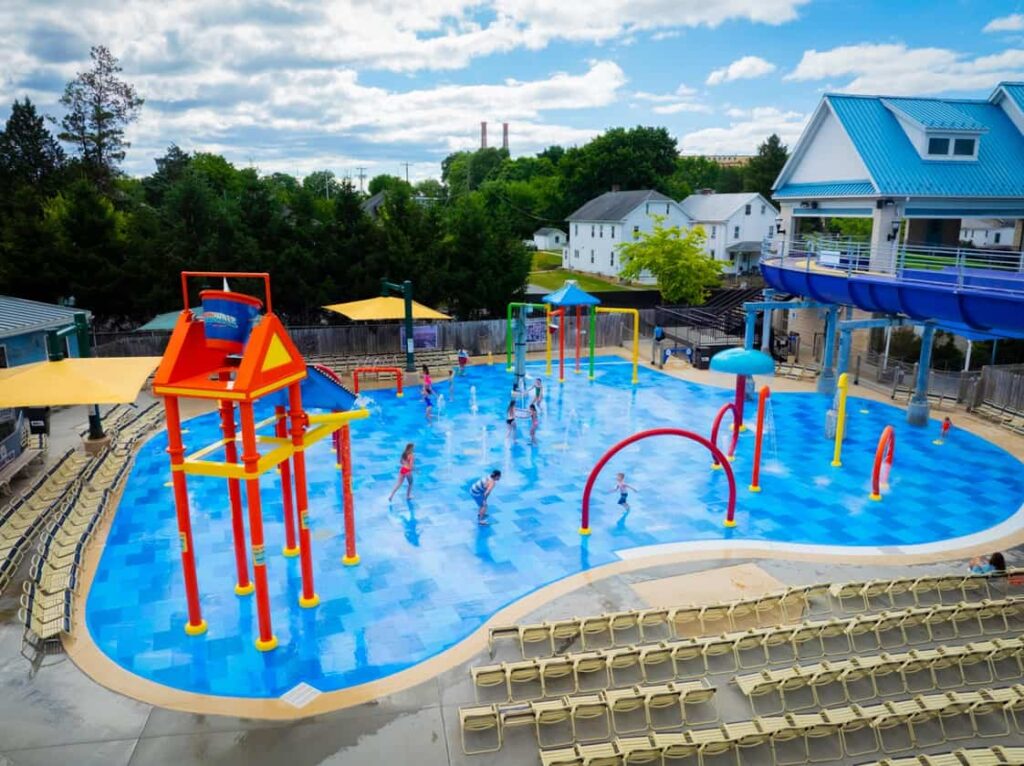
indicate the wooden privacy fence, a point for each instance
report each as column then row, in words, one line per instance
column 478, row 337
column 1001, row 386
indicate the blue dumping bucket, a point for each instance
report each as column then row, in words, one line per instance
column 228, row 317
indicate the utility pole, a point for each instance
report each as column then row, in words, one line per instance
column 406, row 170
column 361, row 175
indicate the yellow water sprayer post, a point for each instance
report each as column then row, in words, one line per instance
column 844, row 387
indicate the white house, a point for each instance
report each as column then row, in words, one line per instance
column 988, row 233
column 548, row 238
column 597, row 228
column 735, row 225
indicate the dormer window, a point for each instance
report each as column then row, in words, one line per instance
column 938, row 147
column 951, row 147
column 964, row 147
column 939, row 130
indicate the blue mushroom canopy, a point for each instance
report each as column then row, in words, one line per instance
column 571, row 294
column 742, row 361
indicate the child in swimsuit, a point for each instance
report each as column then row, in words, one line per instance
column 510, row 416
column 428, row 403
column 404, row 471
column 533, row 423
column 623, row 489
column 428, row 382
column 463, row 360
column 538, row 392
column 480, row 491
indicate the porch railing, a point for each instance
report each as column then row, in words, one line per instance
column 959, row 267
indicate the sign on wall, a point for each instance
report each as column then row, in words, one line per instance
column 424, row 337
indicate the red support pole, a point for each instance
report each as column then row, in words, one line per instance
column 298, row 419
column 291, row 548
column 579, row 309
column 561, row 345
column 887, row 439
column 762, row 402
column 741, row 394
column 730, row 517
column 351, row 558
column 243, row 586
column 250, row 459
column 727, row 407
column 196, row 625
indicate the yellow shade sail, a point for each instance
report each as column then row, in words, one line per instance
column 115, row 380
column 383, row 309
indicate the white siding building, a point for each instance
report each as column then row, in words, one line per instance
column 988, row 233
column 597, row 228
column 735, row 225
column 548, row 238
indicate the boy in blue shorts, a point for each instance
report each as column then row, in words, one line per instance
column 623, row 489
column 480, row 491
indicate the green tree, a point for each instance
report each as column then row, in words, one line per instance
column 676, row 258
column 100, row 105
column 28, row 152
column 430, row 187
column 322, row 183
column 764, row 167
column 385, row 182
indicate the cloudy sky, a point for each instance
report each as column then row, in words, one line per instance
column 296, row 86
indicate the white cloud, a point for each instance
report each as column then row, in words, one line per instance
column 748, row 130
column 746, row 68
column 1012, row 23
column 681, row 106
column 682, row 99
column 894, row 69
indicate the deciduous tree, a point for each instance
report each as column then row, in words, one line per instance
column 677, row 260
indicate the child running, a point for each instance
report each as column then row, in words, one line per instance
column 480, row 491
column 404, row 471
column 428, row 382
column 623, row 489
column 428, row 403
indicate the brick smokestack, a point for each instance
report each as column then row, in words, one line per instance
column 504, row 136
column 483, row 135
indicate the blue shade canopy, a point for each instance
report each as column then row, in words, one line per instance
column 571, row 294
column 742, row 361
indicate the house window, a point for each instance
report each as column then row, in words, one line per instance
column 600, row 231
column 611, row 259
column 591, row 256
column 576, row 254
column 592, row 227
column 666, row 208
column 762, row 209
column 636, row 232
column 996, row 237
column 736, row 231
column 963, row 147
column 647, row 208
column 613, row 232
column 939, row 146
column 713, row 229
column 576, row 233
column 746, row 210
column 557, row 240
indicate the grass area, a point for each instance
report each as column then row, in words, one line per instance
column 553, row 279
column 545, row 260
column 933, row 262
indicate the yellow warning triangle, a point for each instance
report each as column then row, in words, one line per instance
column 277, row 355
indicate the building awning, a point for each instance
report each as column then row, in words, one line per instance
column 383, row 309
column 115, row 380
column 744, row 247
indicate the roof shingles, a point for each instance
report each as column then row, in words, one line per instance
column 19, row 316
column 615, row 206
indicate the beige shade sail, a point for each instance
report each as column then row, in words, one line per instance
column 115, row 380
column 383, row 309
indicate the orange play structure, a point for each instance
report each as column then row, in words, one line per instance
column 236, row 355
column 364, row 370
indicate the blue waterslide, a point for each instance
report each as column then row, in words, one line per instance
column 987, row 300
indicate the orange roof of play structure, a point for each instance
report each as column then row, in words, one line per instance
column 383, row 309
column 76, row 381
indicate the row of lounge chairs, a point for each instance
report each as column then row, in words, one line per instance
column 793, row 739
column 344, row 364
column 1008, row 417
column 790, row 604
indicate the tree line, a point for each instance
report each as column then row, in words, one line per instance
column 73, row 225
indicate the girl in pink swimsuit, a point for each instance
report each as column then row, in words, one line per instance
column 404, row 472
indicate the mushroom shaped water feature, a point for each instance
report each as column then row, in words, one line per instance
column 742, row 362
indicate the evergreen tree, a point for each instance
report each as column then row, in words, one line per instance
column 762, row 170
column 28, row 153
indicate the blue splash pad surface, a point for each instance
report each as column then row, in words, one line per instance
column 430, row 575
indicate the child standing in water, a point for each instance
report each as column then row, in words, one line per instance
column 463, row 360
column 538, row 392
column 510, row 416
column 404, row 471
column 533, row 423
column 480, row 491
column 428, row 382
column 428, row 403
column 623, row 489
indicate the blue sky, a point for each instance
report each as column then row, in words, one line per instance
column 297, row 86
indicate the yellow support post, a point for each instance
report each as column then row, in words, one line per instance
column 636, row 336
column 844, row 387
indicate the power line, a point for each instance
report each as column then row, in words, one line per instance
column 361, row 175
column 406, row 170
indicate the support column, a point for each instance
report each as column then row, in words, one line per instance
column 593, row 337
column 351, row 558
column 298, row 422
column 787, row 228
column 827, row 378
column 250, row 459
column 749, row 329
column 243, row 586
column 196, row 625
column 845, row 344
column 967, row 356
column 884, row 243
column 766, row 324
column 291, row 547
column 917, row 410
column 579, row 319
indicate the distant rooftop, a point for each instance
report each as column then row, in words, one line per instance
column 717, row 207
column 616, row 205
column 932, row 114
column 19, row 316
